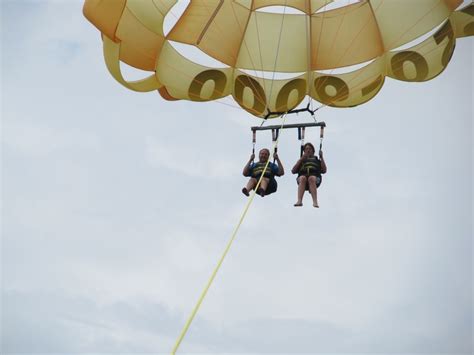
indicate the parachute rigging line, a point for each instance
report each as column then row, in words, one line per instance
column 278, row 50
column 153, row 52
column 213, row 15
column 257, row 96
column 336, row 98
column 259, row 48
column 221, row 260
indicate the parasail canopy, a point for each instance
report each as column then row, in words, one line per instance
column 254, row 45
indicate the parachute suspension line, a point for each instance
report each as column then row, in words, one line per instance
column 277, row 53
column 257, row 95
column 307, row 108
column 320, row 32
column 221, row 260
column 259, row 49
column 332, row 47
column 416, row 23
column 335, row 37
column 336, row 98
column 308, row 49
column 361, row 84
column 213, row 14
column 314, row 110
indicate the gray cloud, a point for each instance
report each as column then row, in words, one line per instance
column 39, row 322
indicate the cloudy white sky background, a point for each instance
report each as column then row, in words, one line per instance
column 117, row 206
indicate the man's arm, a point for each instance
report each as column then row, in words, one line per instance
column 246, row 171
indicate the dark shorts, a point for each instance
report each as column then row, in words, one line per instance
column 318, row 181
column 272, row 185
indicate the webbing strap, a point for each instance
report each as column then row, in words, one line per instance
column 321, row 136
column 221, row 260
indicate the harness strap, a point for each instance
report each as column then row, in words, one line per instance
column 321, row 136
column 302, row 141
column 275, row 134
column 254, row 141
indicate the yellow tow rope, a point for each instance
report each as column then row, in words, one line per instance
column 221, row 260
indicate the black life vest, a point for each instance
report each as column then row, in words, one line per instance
column 258, row 168
column 311, row 166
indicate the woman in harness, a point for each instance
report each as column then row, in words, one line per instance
column 309, row 169
column 255, row 170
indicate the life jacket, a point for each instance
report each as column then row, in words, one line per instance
column 258, row 168
column 312, row 166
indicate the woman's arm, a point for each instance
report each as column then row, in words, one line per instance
column 281, row 170
column 297, row 166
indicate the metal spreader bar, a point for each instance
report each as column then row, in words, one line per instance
column 291, row 125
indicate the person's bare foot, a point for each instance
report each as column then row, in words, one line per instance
column 298, row 204
column 245, row 191
column 315, row 205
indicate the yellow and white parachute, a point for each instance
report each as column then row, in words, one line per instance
column 307, row 43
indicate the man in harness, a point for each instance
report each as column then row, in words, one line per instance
column 309, row 169
column 255, row 170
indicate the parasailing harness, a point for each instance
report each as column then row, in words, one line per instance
column 312, row 166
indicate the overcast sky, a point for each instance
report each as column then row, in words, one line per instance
column 117, row 206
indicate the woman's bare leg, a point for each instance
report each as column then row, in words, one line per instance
column 301, row 188
column 313, row 190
